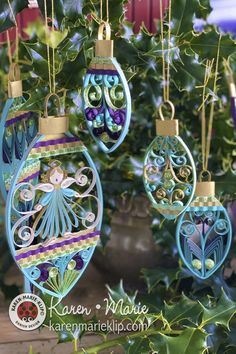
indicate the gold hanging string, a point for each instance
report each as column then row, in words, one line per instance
column 208, row 72
column 163, row 49
column 17, row 33
column 17, row 45
column 166, row 66
column 48, row 49
column 207, row 135
column 101, row 10
column 53, row 52
column 210, row 126
column 168, row 54
column 107, row 11
column 9, row 48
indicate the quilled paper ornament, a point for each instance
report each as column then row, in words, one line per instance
column 17, row 129
column 169, row 170
column 53, row 224
column 106, row 95
column 204, row 232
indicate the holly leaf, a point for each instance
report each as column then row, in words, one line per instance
column 190, row 341
column 206, row 45
column 155, row 276
column 182, row 16
column 221, row 313
column 184, row 309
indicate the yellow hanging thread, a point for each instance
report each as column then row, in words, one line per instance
column 53, row 52
column 207, row 135
column 9, row 48
column 17, row 36
column 107, row 11
column 166, row 66
column 48, row 49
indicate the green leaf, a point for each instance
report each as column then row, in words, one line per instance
column 190, row 341
column 221, row 313
column 154, row 276
column 182, row 15
column 52, row 38
column 184, row 309
column 206, row 45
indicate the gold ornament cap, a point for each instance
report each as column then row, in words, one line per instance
column 167, row 126
column 53, row 125
column 104, row 47
column 205, row 189
column 14, row 82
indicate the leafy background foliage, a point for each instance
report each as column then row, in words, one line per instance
column 186, row 315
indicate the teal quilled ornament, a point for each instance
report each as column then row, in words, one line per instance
column 106, row 96
column 204, row 232
column 169, row 169
column 17, row 130
column 53, row 223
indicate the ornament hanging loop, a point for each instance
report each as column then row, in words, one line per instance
column 172, row 110
column 104, row 47
column 53, row 125
column 205, row 186
column 205, row 175
column 14, row 81
column 104, row 29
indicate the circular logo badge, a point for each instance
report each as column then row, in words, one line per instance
column 27, row 312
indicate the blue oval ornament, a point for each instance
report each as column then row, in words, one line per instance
column 106, row 96
column 169, row 171
column 53, row 224
column 204, row 233
column 17, row 130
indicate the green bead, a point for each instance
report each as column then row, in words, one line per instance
column 197, row 264
column 168, row 175
column 209, row 263
column 71, row 264
column 20, row 127
column 53, row 272
column 168, row 184
column 9, row 133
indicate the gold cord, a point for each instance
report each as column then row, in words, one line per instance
column 53, row 53
column 48, row 49
column 9, row 48
column 107, row 10
column 168, row 54
column 165, row 66
column 207, row 135
column 12, row 13
column 17, row 36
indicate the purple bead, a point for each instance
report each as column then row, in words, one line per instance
column 44, row 271
column 92, row 113
column 44, row 275
column 79, row 262
column 118, row 116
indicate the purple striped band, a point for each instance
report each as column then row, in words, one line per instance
column 29, row 178
column 56, row 141
column 57, row 245
column 102, row 72
column 17, row 119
